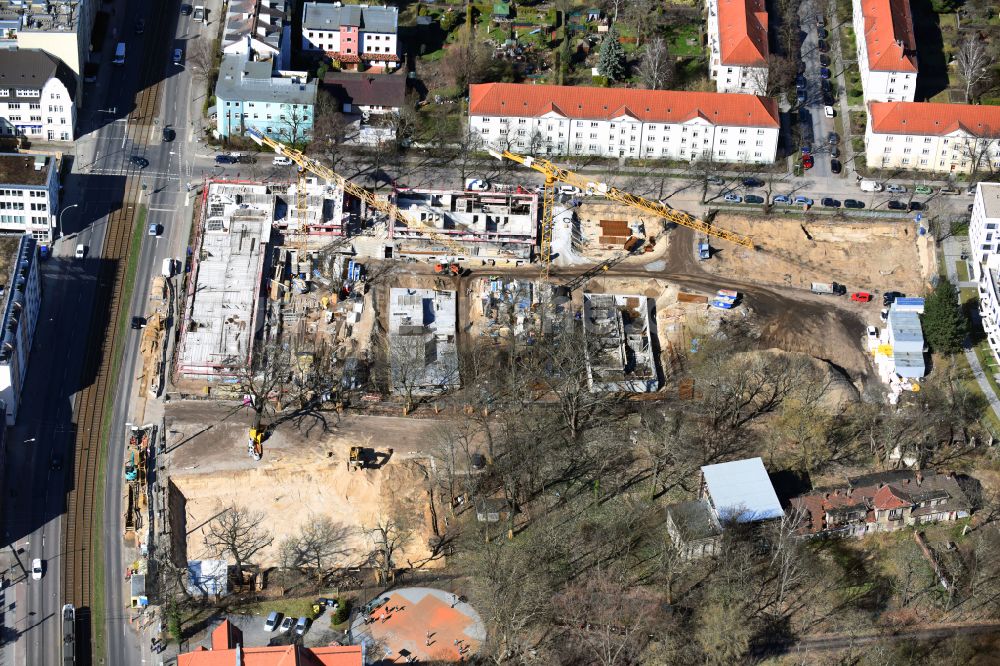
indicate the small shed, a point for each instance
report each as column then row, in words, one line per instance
column 208, row 577
column 501, row 12
column 693, row 529
column 741, row 491
column 137, row 588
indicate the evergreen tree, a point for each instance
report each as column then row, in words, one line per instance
column 945, row 327
column 611, row 62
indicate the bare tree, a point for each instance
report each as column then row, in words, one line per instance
column 980, row 152
column 319, row 541
column 778, row 76
column 388, row 536
column 329, row 129
column 468, row 60
column 202, row 61
column 656, row 67
column 239, row 533
column 975, row 65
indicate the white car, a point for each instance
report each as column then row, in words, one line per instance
column 287, row 623
column 272, row 621
column 36, row 569
column 281, row 160
column 828, row 111
column 872, row 337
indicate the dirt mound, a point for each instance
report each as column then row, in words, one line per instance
column 839, row 390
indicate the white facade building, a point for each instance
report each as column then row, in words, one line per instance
column 887, row 50
column 625, row 122
column 920, row 136
column 352, row 34
column 984, row 239
column 737, row 38
column 257, row 28
column 37, row 93
column 29, row 195
column 20, row 314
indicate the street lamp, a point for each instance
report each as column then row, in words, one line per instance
column 63, row 212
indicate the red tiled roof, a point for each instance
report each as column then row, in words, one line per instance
column 743, row 32
column 888, row 497
column 227, row 636
column 889, row 35
column 933, row 119
column 667, row 106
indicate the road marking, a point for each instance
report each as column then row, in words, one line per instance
column 163, row 210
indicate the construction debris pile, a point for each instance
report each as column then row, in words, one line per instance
column 527, row 310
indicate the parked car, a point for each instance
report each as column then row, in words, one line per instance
column 828, row 99
column 154, row 229
column 287, row 623
column 895, row 189
column 37, row 569
column 186, row 9
column 56, row 462
column 807, row 162
column 302, row 626
column 753, row 199
column 169, row 134
column 969, row 207
column 138, row 323
column 178, row 56
column 806, row 149
column 828, row 111
column 822, row 47
column 861, row 296
column 800, row 81
column 733, row 198
column 803, row 201
column 824, row 72
column 830, row 202
column 225, row 159
column 780, row 199
column 896, row 205
column 822, row 33
column 948, row 190
column 752, row 182
column 916, row 205
column 281, row 160
column 800, row 96
column 854, row 203
column 833, row 138
column 273, row 621
column 923, row 189
column 715, row 180
column 835, row 166
column 824, row 60
column 834, row 151
column 81, row 251
column 825, row 86
column 872, row 334
column 889, row 297
column 804, row 116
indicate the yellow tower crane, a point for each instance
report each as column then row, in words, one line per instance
column 306, row 163
column 554, row 173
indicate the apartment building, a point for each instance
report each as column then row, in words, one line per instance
column 257, row 27
column 737, row 38
column 887, row 50
column 984, row 240
column 923, row 136
column 625, row 122
column 59, row 27
column 354, row 35
column 37, row 96
column 247, row 95
column 20, row 314
column 29, row 195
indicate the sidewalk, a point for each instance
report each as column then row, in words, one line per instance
column 952, row 248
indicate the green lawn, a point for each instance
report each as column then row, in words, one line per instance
column 967, row 294
column 679, row 37
column 963, row 270
column 971, row 383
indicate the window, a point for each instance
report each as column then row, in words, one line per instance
column 27, row 93
column 4, row 92
column 895, row 514
column 14, row 107
column 39, row 207
column 56, row 95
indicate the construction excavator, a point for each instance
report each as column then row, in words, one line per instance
column 554, row 173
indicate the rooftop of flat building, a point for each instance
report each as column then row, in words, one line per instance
column 24, row 169
column 990, row 193
column 250, row 81
column 48, row 16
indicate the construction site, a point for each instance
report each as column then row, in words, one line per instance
column 306, row 472
column 793, row 252
column 137, row 503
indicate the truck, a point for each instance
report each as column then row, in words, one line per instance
column 120, row 54
column 830, row 288
column 704, row 249
column 870, row 185
column 199, row 13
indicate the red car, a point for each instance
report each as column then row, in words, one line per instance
column 807, row 161
column 861, row 296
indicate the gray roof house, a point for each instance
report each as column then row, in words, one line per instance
column 326, row 16
column 33, row 76
column 257, row 26
column 249, row 95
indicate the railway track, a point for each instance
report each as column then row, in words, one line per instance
column 104, row 345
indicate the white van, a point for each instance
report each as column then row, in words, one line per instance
column 870, row 186
column 168, row 268
column 120, row 54
column 81, row 251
